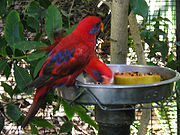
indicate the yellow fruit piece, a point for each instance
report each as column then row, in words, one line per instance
column 130, row 80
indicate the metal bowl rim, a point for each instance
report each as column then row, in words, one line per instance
column 174, row 79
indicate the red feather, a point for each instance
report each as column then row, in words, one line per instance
column 98, row 69
column 65, row 62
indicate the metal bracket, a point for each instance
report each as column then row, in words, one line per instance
column 105, row 108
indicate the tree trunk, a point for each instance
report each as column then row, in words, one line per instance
column 119, row 31
column 135, row 33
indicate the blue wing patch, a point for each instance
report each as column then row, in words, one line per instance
column 62, row 56
column 58, row 59
column 56, row 86
column 98, row 75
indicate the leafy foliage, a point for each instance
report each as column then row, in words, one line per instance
column 154, row 34
column 13, row 112
column 152, row 38
column 7, row 89
column 66, row 127
column 53, row 22
column 2, row 65
column 1, row 123
column 29, row 45
column 14, row 50
column 41, row 122
column 71, row 110
column 34, row 129
column 13, row 28
column 82, row 114
column 139, row 7
column 22, row 76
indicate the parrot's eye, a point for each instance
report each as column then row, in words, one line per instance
column 95, row 28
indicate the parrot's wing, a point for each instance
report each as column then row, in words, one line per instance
column 63, row 63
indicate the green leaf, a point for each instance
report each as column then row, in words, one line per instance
column 171, row 57
column 28, row 45
column 7, row 89
column 33, row 23
column 34, row 10
column 2, row 65
column 5, row 98
column 50, row 98
column 68, row 109
column 3, row 43
column 17, row 91
column 3, row 4
column 13, row 112
column 66, row 127
column 56, row 108
column 160, row 32
column 9, row 50
column 2, row 122
column 162, row 47
column 44, row 3
column 160, row 19
column 139, row 7
column 144, row 34
column 166, row 19
column 84, row 117
column 38, row 66
column 35, row 56
column 13, row 28
column 34, row 129
column 22, row 77
column 172, row 64
column 70, row 30
column 53, row 22
column 7, row 70
column 41, row 122
column 4, row 52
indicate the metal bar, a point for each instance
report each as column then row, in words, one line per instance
column 77, row 97
column 128, row 108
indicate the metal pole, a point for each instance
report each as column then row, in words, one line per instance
column 178, row 59
column 114, row 122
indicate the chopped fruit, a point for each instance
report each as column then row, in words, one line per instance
column 134, row 77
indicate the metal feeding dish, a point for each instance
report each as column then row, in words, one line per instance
column 87, row 92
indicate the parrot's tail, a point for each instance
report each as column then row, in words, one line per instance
column 32, row 112
column 37, row 103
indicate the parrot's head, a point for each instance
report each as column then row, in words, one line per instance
column 89, row 26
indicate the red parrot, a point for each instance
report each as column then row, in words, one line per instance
column 65, row 62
